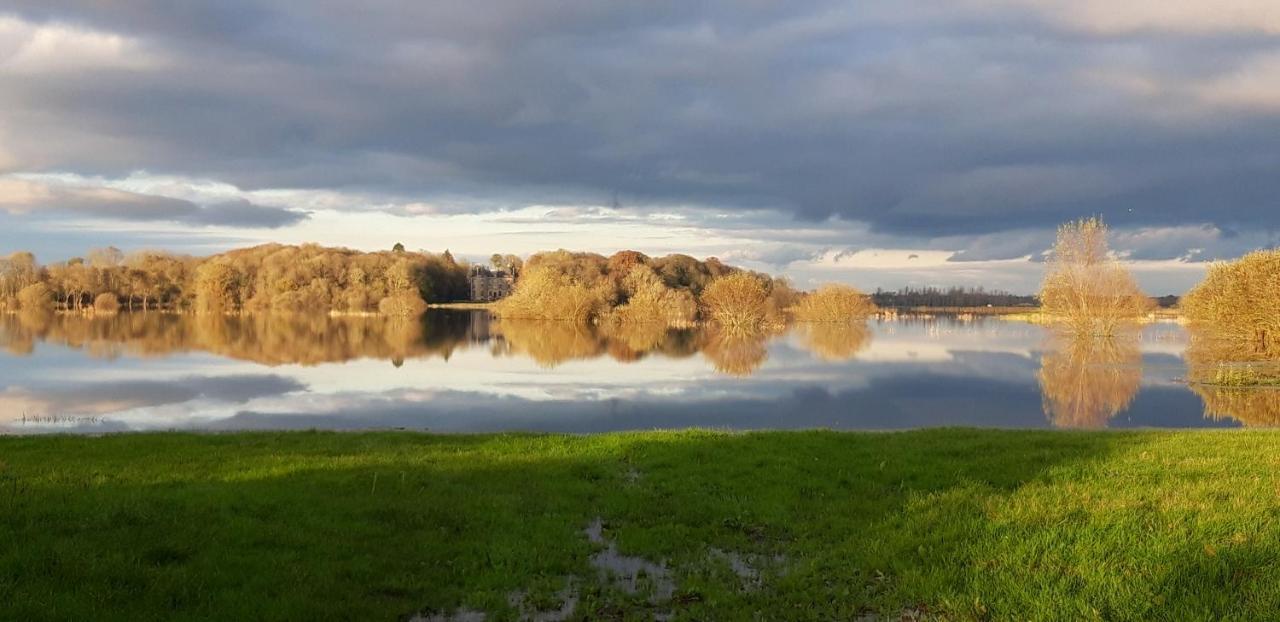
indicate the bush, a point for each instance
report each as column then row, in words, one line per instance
column 1239, row 303
column 547, row 294
column 406, row 304
column 650, row 301
column 1085, row 290
column 35, row 296
column 737, row 302
column 833, row 303
column 106, row 302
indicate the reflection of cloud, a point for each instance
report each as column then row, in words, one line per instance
column 95, row 399
column 1086, row 381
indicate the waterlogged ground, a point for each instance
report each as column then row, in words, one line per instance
column 459, row 371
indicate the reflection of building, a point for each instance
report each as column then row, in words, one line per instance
column 487, row 285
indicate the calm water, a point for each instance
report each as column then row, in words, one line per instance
column 459, row 371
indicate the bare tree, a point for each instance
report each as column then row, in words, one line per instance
column 1087, row 291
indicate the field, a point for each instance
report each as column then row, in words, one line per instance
column 938, row 524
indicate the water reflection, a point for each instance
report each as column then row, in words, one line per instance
column 1235, row 383
column 461, row 371
column 1088, row 380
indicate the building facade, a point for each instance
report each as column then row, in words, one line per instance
column 489, row 285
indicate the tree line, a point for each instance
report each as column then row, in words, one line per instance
column 629, row 287
column 907, row 297
column 271, row 277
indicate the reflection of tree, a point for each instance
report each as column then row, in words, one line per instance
column 735, row 353
column 1086, row 381
column 284, row 338
column 834, row 341
column 550, row 343
column 267, row 338
column 1234, row 382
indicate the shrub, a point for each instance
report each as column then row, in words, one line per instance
column 833, row 303
column 650, row 301
column 546, row 294
column 404, row 304
column 737, row 302
column 1086, row 291
column 35, row 296
column 106, row 302
column 1239, row 303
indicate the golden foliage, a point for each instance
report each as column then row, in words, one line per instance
column 650, row 301
column 35, row 296
column 404, row 304
column 106, row 302
column 1239, row 303
column 1085, row 290
column 833, row 303
column 737, row 302
column 544, row 293
column 1087, row 380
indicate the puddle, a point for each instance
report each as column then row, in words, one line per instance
column 627, row 572
column 748, row 567
column 461, row 615
column 568, row 598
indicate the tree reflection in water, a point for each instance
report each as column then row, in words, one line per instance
column 834, row 341
column 1086, row 380
column 1234, row 382
column 304, row 339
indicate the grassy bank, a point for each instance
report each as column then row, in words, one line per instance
column 957, row 524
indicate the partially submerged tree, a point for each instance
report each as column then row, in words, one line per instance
column 833, row 303
column 35, row 297
column 737, row 302
column 1239, row 303
column 1087, row 291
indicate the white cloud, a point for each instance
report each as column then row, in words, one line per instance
column 37, row 49
column 1115, row 17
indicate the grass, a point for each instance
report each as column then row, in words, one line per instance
column 955, row 524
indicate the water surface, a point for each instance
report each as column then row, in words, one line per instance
column 457, row 371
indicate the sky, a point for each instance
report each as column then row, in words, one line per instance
column 878, row 143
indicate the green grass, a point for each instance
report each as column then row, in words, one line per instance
column 959, row 524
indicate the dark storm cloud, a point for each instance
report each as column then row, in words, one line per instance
column 921, row 119
column 25, row 197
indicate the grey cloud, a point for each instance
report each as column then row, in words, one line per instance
column 22, row 197
column 922, row 120
column 241, row 213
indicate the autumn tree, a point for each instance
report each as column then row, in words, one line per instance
column 737, row 302
column 1238, row 302
column 833, row 303
column 1086, row 290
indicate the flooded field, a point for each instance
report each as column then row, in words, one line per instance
column 461, row 371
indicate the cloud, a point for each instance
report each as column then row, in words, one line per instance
column 32, row 49
column 774, row 132
column 26, row 197
column 1164, row 16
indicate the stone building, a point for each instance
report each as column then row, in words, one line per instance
column 488, row 285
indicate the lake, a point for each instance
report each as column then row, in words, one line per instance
column 460, row 371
